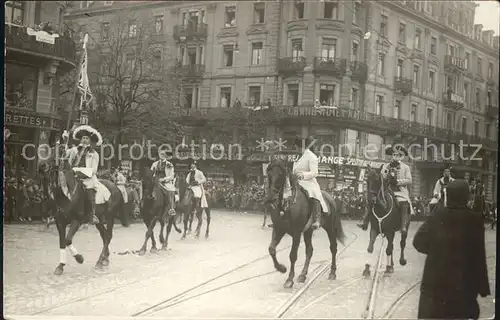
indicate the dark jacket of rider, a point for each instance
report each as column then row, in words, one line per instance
column 455, row 269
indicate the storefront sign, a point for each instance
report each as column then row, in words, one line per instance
column 350, row 161
column 306, row 111
column 32, row 120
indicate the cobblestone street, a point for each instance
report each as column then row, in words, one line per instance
column 159, row 284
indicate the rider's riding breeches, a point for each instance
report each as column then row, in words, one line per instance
column 196, row 203
column 164, row 200
column 404, row 207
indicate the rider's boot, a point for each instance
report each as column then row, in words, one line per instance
column 364, row 223
column 91, row 204
column 405, row 216
column 316, row 214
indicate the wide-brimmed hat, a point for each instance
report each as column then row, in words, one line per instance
column 86, row 130
column 390, row 150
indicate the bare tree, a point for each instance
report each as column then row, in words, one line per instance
column 132, row 78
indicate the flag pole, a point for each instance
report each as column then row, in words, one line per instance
column 75, row 88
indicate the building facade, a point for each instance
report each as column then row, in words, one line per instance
column 35, row 61
column 397, row 71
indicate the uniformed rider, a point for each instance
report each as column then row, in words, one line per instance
column 195, row 180
column 305, row 170
column 164, row 173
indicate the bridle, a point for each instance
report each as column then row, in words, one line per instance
column 272, row 190
column 379, row 193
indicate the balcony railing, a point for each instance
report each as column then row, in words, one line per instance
column 17, row 38
column 452, row 63
column 190, row 32
column 452, row 100
column 329, row 66
column 291, row 65
column 191, row 71
column 359, row 71
column 492, row 111
column 403, row 85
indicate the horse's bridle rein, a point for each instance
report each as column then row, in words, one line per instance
column 380, row 191
column 282, row 167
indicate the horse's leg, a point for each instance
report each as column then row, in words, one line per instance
column 109, row 229
column 104, row 236
column 389, row 251
column 170, row 222
column 162, row 227
column 148, row 235
column 186, row 221
column 209, row 218
column 371, row 243
column 275, row 240
column 61, row 230
column 73, row 228
column 199, row 216
column 309, row 253
column 402, row 243
column 293, row 258
column 332, row 237
column 265, row 219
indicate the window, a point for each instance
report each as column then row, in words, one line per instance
column 297, row 50
column 451, row 50
column 225, row 97
column 192, row 55
column 490, row 70
column 192, row 19
column 416, row 75
column 451, row 83
column 356, row 15
column 488, row 98
column 402, row 32
column 464, row 125
column 105, row 31
column 327, row 95
column 228, row 55
column 429, row 117
column 259, row 12
column 293, row 94
column 476, row 128
column 449, row 120
column 298, row 10
column 14, row 12
column 479, row 65
column 399, row 68
column 478, row 98
column 467, row 60
column 381, row 64
column 432, row 83
column 418, row 38
column 21, row 85
column 466, row 92
column 379, row 104
column 158, row 24
column 257, row 53
column 383, row 26
column 188, row 97
column 355, row 49
column 413, row 113
column 433, row 45
column 230, row 17
column 132, row 29
column 331, row 10
column 397, row 110
column 254, row 95
column 487, row 129
column 354, row 98
column 328, row 49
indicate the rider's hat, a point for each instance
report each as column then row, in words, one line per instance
column 166, row 152
column 390, row 150
column 446, row 167
column 86, row 130
column 192, row 161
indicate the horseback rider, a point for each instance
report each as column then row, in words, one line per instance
column 305, row 170
column 439, row 193
column 84, row 156
column 402, row 173
column 195, row 180
column 164, row 190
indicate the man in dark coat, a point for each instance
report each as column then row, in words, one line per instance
column 455, row 269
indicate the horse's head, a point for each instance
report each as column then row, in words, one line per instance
column 277, row 172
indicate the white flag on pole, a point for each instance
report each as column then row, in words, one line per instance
column 83, row 80
column 367, row 35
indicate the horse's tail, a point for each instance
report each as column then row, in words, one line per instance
column 337, row 226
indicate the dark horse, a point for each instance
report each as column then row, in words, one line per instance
column 152, row 213
column 68, row 211
column 385, row 217
column 187, row 207
column 297, row 220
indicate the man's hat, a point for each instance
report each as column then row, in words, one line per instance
column 193, row 161
column 446, row 167
column 390, row 150
column 86, row 130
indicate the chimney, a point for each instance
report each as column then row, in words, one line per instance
column 488, row 37
column 496, row 40
column 478, row 28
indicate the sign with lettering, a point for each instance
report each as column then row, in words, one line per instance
column 32, row 120
column 343, row 161
column 306, row 111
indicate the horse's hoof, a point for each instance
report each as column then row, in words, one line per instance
column 183, row 237
column 281, row 268
column 164, row 248
column 141, row 252
column 389, row 269
column 59, row 270
column 206, row 236
column 105, row 262
column 79, row 258
column 332, row 276
column 153, row 250
column 402, row 261
column 301, row 278
column 370, row 249
column 366, row 272
column 162, row 240
column 99, row 265
column 288, row 284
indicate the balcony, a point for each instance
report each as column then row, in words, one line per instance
column 403, row 85
column 329, row 66
column 453, row 101
column 454, row 64
column 191, row 72
column 191, row 32
column 291, row 65
column 36, row 47
column 492, row 111
column 359, row 71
